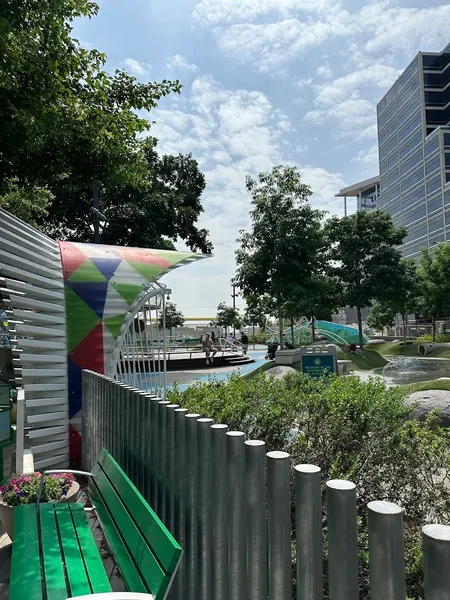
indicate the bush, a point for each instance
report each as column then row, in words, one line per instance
column 258, row 338
column 352, row 430
column 441, row 338
column 24, row 489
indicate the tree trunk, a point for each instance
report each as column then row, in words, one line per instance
column 292, row 332
column 361, row 339
column 313, row 330
column 254, row 341
column 433, row 331
column 404, row 319
column 281, row 324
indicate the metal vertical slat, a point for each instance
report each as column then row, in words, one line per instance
column 147, row 456
column 84, row 432
column 220, row 512
column 179, row 585
column 205, row 508
column 155, row 448
column 171, row 458
column 342, row 540
column 134, row 432
column 255, row 459
column 279, row 525
column 122, row 404
column 308, row 511
column 191, row 507
column 162, row 468
column 237, row 547
column 436, row 561
column 128, row 430
column 386, row 557
column 140, row 445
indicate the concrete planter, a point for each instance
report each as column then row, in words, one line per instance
column 7, row 512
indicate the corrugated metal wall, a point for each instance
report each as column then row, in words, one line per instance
column 31, row 282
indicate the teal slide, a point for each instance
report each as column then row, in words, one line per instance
column 334, row 332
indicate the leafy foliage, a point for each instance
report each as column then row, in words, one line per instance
column 173, row 317
column 227, row 316
column 352, row 430
column 67, row 125
column 434, row 271
column 24, row 489
column 367, row 261
column 29, row 203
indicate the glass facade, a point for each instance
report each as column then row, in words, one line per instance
column 414, row 151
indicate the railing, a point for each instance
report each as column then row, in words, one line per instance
column 225, row 344
column 228, row 503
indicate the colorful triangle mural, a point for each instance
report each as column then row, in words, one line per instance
column 87, row 272
column 107, row 266
column 81, row 320
column 93, row 293
column 74, row 257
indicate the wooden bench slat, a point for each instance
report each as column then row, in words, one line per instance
column 25, row 562
column 76, row 572
column 55, row 581
column 152, row 573
column 123, row 558
column 162, row 543
column 92, row 559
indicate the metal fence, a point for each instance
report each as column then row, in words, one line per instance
column 228, row 503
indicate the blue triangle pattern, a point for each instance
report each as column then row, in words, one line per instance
column 93, row 293
column 107, row 266
column 75, row 378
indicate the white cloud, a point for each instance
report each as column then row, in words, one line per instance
column 232, row 133
column 325, row 72
column 179, row 63
column 368, row 159
column 302, row 82
column 139, row 69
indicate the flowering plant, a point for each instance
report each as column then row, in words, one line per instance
column 24, row 489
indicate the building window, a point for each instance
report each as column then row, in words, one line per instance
column 414, row 196
column 433, row 165
column 415, row 215
column 434, row 185
column 409, row 126
column 432, row 145
column 411, row 143
column 434, row 204
column 436, row 223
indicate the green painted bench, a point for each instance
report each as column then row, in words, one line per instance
column 55, row 556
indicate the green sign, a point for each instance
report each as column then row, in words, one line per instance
column 318, row 365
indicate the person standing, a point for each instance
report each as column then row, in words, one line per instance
column 244, row 342
column 208, row 348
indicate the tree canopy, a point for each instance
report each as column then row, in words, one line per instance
column 68, row 125
column 172, row 318
column 284, row 248
column 366, row 258
column 434, row 271
column 227, row 316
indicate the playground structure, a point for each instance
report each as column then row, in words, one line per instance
column 334, row 332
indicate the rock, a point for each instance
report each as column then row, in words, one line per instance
column 373, row 342
column 429, row 400
column 279, row 372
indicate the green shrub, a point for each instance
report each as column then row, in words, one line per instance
column 258, row 338
column 441, row 338
column 352, row 430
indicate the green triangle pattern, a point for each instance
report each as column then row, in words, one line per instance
column 81, row 320
column 147, row 270
column 128, row 291
column 172, row 256
column 114, row 324
column 87, row 272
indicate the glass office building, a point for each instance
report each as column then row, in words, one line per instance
column 414, row 151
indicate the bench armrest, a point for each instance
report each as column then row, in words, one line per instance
column 115, row 596
column 51, row 471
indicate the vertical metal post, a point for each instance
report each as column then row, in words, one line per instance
column 279, row 525
column 84, row 421
column 342, row 540
column 205, row 591
column 122, row 409
column 386, row 552
column 140, row 442
column 308, row 517
column 219, row 514
column 154, row 443
column 179, row 585
column 191, row 507
column 147, row 457
column 255, row 460
column 171, row 457
column 164, row 342
column 162, row 467
column 237, row 518
column 436, row 561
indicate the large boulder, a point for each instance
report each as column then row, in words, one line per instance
column 279, row 372
column 429, row 400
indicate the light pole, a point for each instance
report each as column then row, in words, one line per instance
column 234, row 295
column 97, row 216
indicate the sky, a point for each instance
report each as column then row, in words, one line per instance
column 266, row 82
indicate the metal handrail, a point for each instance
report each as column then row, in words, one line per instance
column 51, row 471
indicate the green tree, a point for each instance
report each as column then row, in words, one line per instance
column 434, row 272
column 67, row 125
column 403, row 302
column 227, row 316
column 172, row 317
column 285, row 245
column 255, row 314
column 366, row 258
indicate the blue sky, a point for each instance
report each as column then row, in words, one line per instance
column 265, row 82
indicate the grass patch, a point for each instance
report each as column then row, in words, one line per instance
column 408, row 349
column 424, row 386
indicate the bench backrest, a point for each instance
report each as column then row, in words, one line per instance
column 145, row 551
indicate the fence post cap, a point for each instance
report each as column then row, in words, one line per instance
column 307, row 468
column 235, row 433
column 340, row 484
column 385, row 508
column 278, row 455
column 255, row 443
column 437, row 532
column 205, row 420
column 219, row 426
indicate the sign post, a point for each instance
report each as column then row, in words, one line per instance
column 318, row 363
